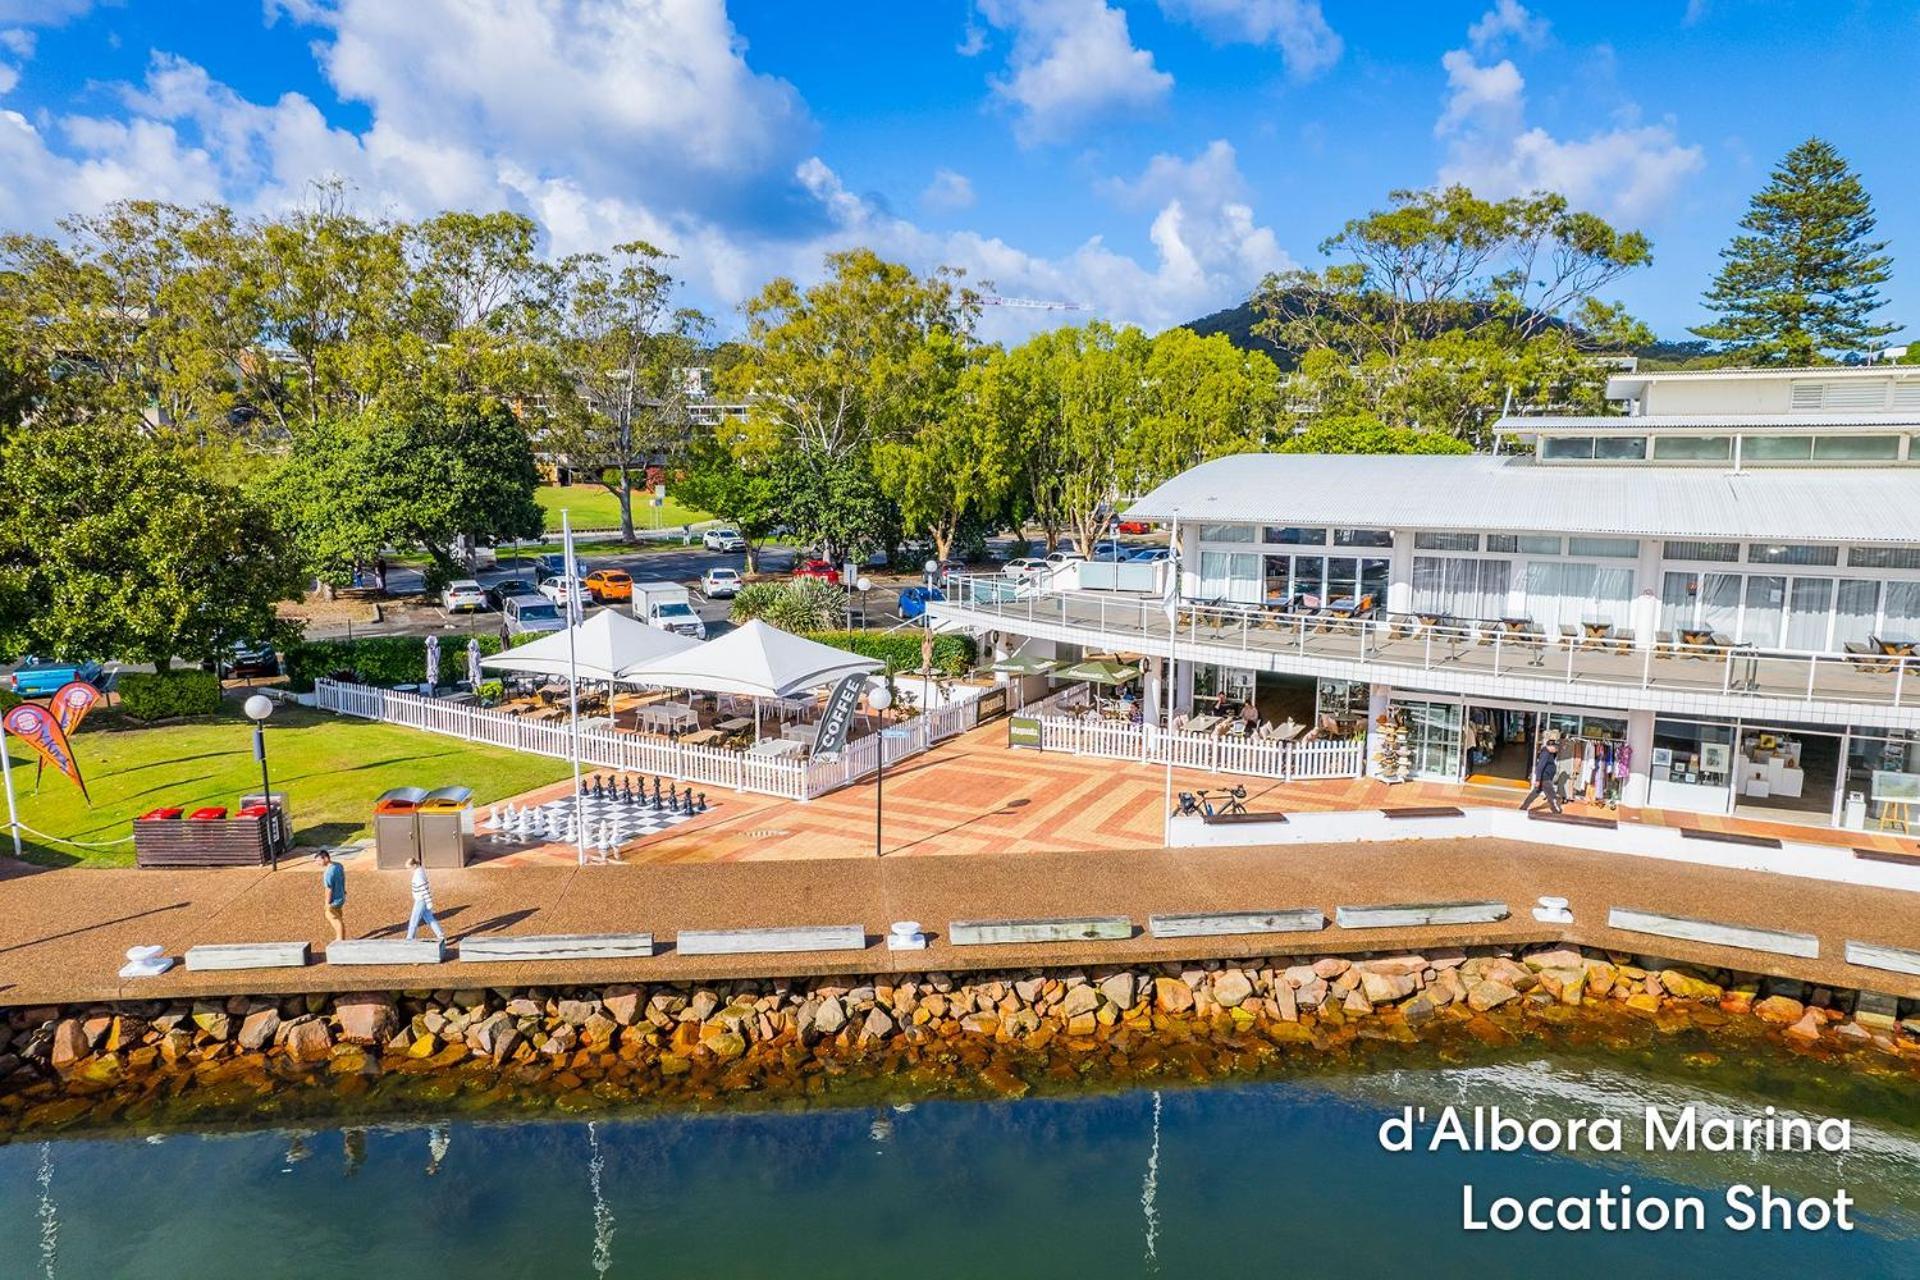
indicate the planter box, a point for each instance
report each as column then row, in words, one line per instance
column 201, row 842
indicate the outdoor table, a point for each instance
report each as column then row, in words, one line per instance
column 1522, row 631
column 1287, row 732
column 1702, row 638
column 775, row 748
column 704, row 738
column 1598, row 635
column 738, row 724
column 802, row 732
column 665, row 717
column 1895, row 646
column 1204, row 724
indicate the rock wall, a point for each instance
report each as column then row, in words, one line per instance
column 1001, row 1033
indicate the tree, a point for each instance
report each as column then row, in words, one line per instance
column 117, row 544
column 954, row 459
column 741, row 493
column 627, row 356
column 1802, row 284
column 1204, row 398
column 1357, row 433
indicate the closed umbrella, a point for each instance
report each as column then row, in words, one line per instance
column 433, row 662
column 473, row 663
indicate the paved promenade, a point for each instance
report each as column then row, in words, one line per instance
column 63, row 933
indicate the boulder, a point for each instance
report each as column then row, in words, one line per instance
column 1119, row 988
column 1356, row 1002
column 1385, row 988
column 212, row 1018
column 829, row 1017
column 623, row 1004
column 562, row 1040
column 1396, row 966
column 69, row 1044
column 128, row 1031
column 1556, row 958
column 703, row 1004
column 1231, row 988
column 308, row 1040
column 1807, row 1030
column 366, row 1018
column 1079, row 1000
column 1489, row 993
column 1684, row 986
column 576, row 1012
column 1311, row 995
column 1082, row 1024
column 1419, row 1010
column 1172, row 995
column 1780, row 1010
column 877, row 1026
column 257, row 1028
column 1331, row 966
column 1285, row 1006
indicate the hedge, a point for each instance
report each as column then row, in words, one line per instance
column 383, row 660
column 163, row 695
column 900, row 650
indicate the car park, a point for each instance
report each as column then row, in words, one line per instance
column 1024, row 567
column 819, row 570
column 500, row 592
column 1057, row 559
column 551, row 565
column 463, row 595
column 42, row 677
column 531, row 615
column 913, row 600
column 667, row 605
column 719, row 584
column 723, row 540
column 563, row 590
column 610, row 584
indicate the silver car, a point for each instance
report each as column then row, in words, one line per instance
column 531, row 615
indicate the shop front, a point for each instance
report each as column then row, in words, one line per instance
column 1495, row 744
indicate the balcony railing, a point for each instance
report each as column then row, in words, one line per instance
column 1481, row 648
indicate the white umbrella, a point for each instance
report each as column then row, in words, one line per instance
column 473, row 663
column 604, row 646
column 433, row 662
column 753, row 659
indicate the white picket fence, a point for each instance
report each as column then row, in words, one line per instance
column 636, row 753
column 1212, row 753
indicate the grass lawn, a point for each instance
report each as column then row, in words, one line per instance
column 330, row 768
column 595, row 508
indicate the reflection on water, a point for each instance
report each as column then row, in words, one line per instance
column 1282, row 1177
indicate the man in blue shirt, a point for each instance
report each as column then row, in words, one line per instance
column 333, row 879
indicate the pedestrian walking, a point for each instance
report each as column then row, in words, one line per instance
column 422, row 903
column 1546, row 768
column 333, row 881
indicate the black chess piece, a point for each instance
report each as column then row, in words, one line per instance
column 598, row 793
column 626, row 789
column 657, row 805
column 686, row 801
column 702, row 808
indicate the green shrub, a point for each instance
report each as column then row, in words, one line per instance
column 382, row 660
column 9, row 700
column 165, row 694
column 802, row 604
column 952, row 654
column 491, row 691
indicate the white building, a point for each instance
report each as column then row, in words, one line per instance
column 1716, row 593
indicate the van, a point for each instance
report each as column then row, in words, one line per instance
column 668, row 606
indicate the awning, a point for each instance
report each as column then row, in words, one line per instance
column 603, row 645
column 1099, row 673
column 1021, row 665
column 753, row 659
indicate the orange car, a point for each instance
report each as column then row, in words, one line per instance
column 610, row 584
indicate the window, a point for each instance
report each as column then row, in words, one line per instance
column 1901, row 611
column 1776, row 448
column 1702, row 551
column 1226, row 533
column 1620, row 448
column 1293, row 536
column 1766, row 596
column 1809, row 605
column 1505, row 543
column 1791, row 553
column 1461, row 588
column 1689, row 752
column 1362, row 538
column 1854, row 611
column 1884, row 557
column 1224, row 576
column 1613, row 548
column 1447, row 541
column 1533, row 544
column 1856, row 448
column 1559, row 448
column 1564, row 594
column 1693, row 448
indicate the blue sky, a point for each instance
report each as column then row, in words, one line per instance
column 1147, row 158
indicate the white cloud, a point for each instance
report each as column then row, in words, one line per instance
column 47, row 13
column 1073, row 62
column 1296, row 27
column 17, row 41
column 948, row 192
column 1507, row 18
column 1631, row 170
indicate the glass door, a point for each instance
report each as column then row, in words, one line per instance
column 1433, row 739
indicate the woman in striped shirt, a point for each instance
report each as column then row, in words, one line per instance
column 422, row 903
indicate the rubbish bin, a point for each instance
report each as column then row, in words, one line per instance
column 396, row 829
column 280, row 830
column 446, row 827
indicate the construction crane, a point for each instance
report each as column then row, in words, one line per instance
column 1031, row 304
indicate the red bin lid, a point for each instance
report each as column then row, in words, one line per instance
column 209, row 813
column 154, row 814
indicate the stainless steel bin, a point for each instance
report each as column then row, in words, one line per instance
column 446, row 827
column 396, row 827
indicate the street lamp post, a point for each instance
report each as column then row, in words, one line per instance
column 880, row 699
column 258, row 708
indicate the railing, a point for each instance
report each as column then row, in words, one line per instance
column 1481, row 648
column 635, row 753
column 1214, row 753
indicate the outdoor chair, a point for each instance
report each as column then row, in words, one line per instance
column 1866, row 658
column 1179, row 723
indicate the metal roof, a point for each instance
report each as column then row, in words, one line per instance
column 1560, row 424
column 1482, row 492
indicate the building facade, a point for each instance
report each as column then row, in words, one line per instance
column 1712, row 597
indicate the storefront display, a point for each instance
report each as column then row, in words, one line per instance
column 1432, row 738
column 1883, row 778
column 1692, row 766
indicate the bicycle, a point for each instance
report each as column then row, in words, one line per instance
column 1199, row 805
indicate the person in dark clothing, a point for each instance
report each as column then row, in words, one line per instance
column 1545, row 766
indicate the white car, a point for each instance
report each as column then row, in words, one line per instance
column 1024, row 567
column 463, row 595
column 723, row 540
column 559, row 590
column 1060, row 558
column 718, row 584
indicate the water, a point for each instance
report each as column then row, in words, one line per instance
column 1282, row 1178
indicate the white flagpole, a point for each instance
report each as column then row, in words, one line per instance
column 573, row 687
column 1173, row 633
column 13, row 814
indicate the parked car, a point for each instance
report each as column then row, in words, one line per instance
column 500, row 592
column 562, row 590
column 42, row 677
column 1134, row 527
column 718, row 584
column 532, row 615
column 552, row 565
column 463, row 595
column 610, row 584
column 913, row 600
column 1059, row 558
column 1020, row 568
column 822, row 570
column 948, row 570
column 1110, row 551
column 248, row 660
column 723, row 540
column 1151, row 555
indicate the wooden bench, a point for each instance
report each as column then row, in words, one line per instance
column 1203, row 924
column 1746, row 937
column 1895, row 856
column 734, row 942
column 1424, row 811
column 975, row 933
column 386, row 951
column 557, row 946
column 1875, row 955
column 1240, row 819
column 246, row 955
column 1573, row 819
column 1419, row 913
column 1729, row 837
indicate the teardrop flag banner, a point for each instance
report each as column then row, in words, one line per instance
column 70, row 706
column 37, row 728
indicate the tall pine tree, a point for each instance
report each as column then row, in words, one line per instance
column 1801, row 283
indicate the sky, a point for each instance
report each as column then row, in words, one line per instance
column 1146, row 160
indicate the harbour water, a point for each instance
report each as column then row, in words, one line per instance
column 1279, row 1177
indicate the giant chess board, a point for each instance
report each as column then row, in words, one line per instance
column 615, row 815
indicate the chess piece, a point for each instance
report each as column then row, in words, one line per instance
column 626, row 790
column 703, row 803
column 657, row 806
